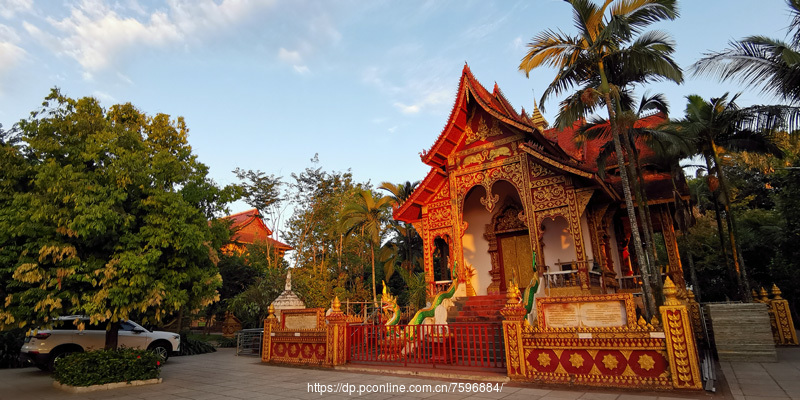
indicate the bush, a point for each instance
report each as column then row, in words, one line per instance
column 190, row 347
column 226, row 342
column 10, row 345
column 107, row 366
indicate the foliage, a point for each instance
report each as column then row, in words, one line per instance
column 224, row 342
column 191, row 346
column 107, row 366
column 251, row 305
column 105, row 213
column 325, row 263
column 604, row 60
column 367, row 216
column 10, row 344
column 768, row 64
column 260, row 190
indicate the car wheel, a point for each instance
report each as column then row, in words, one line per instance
column 161, row 350
column 56, row 357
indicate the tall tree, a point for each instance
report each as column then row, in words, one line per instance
column 368, row 216
column 106, row 218
column 719, row 125
column 609, row 54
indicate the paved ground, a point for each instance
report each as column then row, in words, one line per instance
column 223, row 375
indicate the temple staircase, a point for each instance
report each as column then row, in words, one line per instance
column 483, row 343
column 477, row 309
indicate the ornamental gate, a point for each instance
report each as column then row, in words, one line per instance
column 453, row 346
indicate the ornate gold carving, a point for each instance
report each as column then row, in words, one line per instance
column 489, row 200
column 549, row 196
column 576, row 360
column 544, row 359
column 440, row 217
column 646, row 362
column 484, row 131
column 610, row 361
column 681, row 348
column 537, row 170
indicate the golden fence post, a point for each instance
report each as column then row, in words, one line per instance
column 694, row 313
column 784, row 325
column 336, row 334
column 681, row 347
column 514, row 314
column 266, row 343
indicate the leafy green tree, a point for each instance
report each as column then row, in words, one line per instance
column 720, row 125
column 608, row 54
column 367, row 216
column 105, row 214
column 325, row 263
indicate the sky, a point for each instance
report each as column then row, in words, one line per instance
column 367, row 85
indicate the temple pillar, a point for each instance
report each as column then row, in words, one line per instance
column 514, row 314
column 266, row 343
column 675, row 268
column 335, row 343
column 681, row 346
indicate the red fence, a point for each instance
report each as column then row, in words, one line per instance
column 457, row 346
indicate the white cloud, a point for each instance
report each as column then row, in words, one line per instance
column 10, row 53
column 392, row 129
column 294, row 59
column 96, row 36
column 518, row 43
column 290, row 57
column 8, row 8
column 407, row 109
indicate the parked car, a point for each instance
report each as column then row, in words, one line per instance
column 47, row 346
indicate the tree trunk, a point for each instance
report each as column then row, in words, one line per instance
column 112, row 336
column 374, row 292
column 646, row 219
column 647, row 292
column 736, row 253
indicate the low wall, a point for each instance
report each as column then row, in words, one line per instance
column 305, row 337
column 596, row 341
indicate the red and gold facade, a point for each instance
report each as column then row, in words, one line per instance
column 502, row 186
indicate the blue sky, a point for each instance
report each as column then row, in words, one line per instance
column 267, row 84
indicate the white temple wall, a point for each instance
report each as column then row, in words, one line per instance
column 558, row 243
column 474, row 246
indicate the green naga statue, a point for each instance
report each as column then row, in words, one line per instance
column 533, row 286
column 389, row 307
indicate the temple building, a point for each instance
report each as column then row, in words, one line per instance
column 503, row 188
column 248, row 227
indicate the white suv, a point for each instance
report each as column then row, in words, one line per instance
column 47, row 346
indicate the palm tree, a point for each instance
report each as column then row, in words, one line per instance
column 772, row 65
column 718, row 126
column 405, row 246
column 637, row 126
column 367, row 215
column 603, row 60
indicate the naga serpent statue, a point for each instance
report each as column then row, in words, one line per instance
column 389, row 307
column 533, row 286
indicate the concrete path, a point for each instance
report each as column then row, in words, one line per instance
column 751, row 381
column 223, row 375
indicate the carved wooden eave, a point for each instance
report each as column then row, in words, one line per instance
column 411, row 209
column 496, row 105
column 569, row 169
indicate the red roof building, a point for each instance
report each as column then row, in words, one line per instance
column 503, row 188
column 248, row 227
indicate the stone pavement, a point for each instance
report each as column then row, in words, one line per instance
column 750, row 381
column 223, row 375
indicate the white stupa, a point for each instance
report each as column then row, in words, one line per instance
column 287, row 300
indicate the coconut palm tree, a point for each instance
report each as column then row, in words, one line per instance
column 718, row 126
column 607, row 49
column 772, row 65
column 367, row 215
